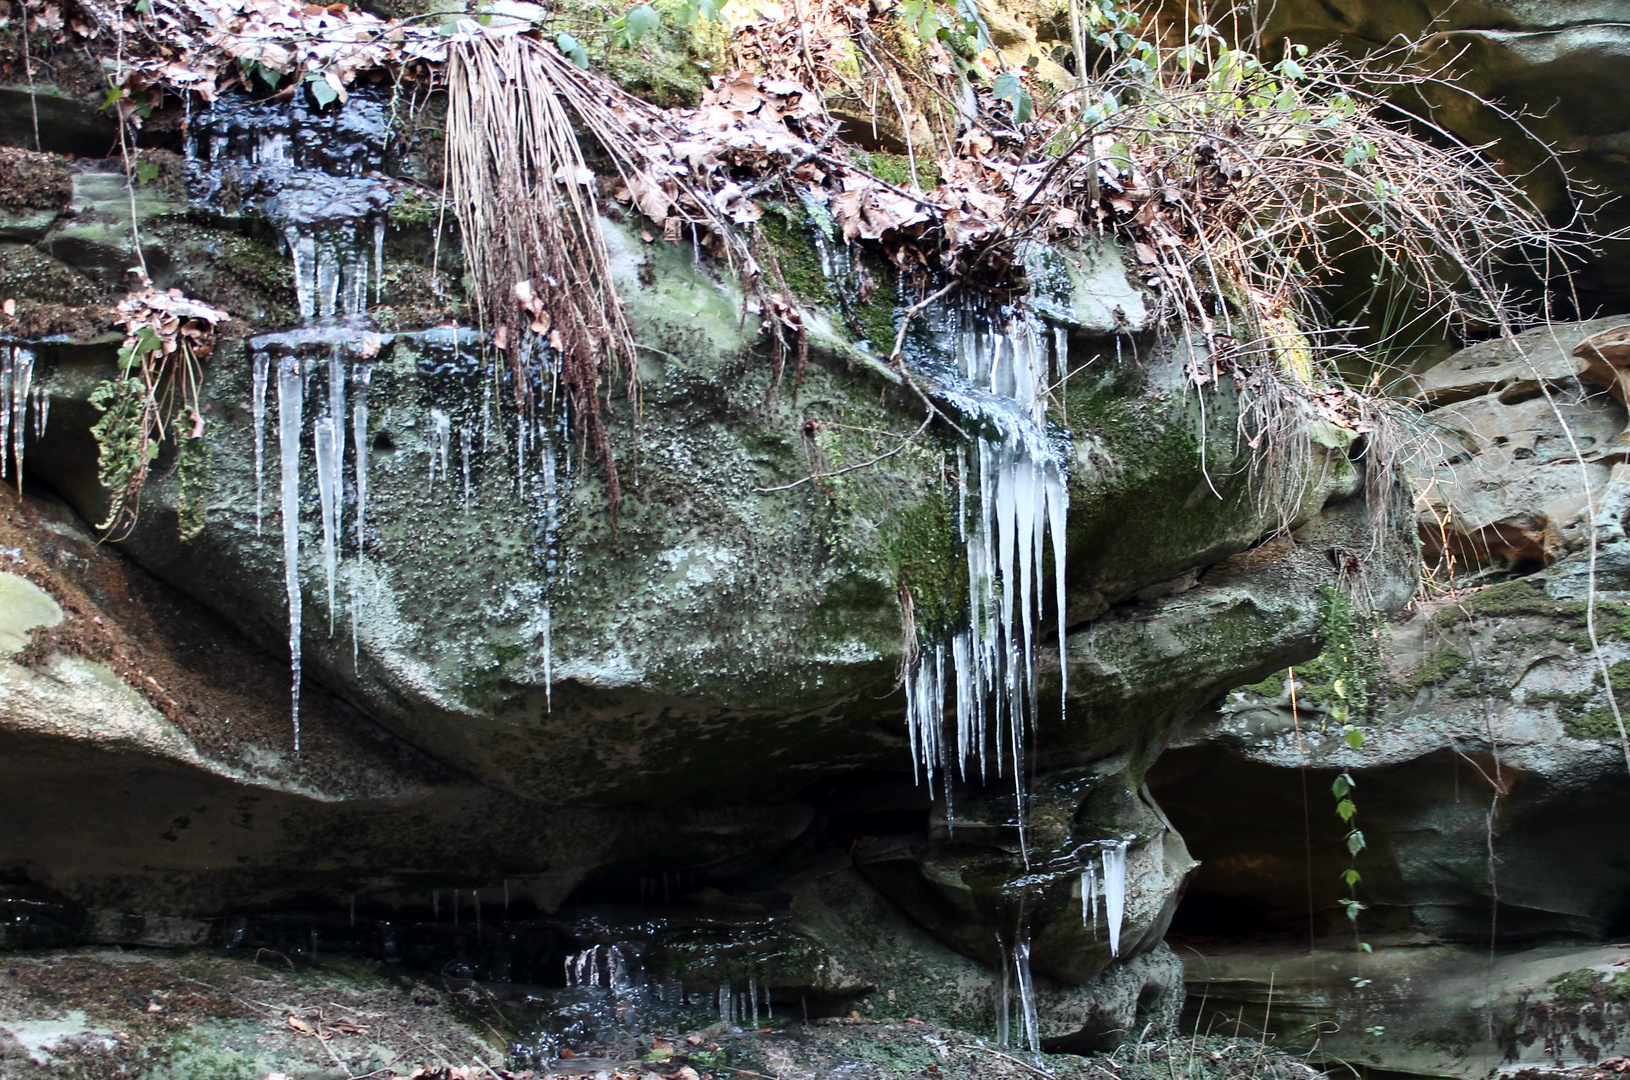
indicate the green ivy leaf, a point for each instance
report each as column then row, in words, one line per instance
column 573, row 50
column 322, row 93
column 1355, row 738
column 1350, row 876
column 146, row 172
column 1342, row 785
column 1355, row 842
column 641, row 21
column 1345, row 809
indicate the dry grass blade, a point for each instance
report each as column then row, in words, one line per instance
column 529, row 222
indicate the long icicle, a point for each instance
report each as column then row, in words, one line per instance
column 290, row 409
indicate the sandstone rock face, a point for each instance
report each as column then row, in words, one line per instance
column 1554, row 65
column 1490, row 787
column 507, row 693
column 1424, row 1011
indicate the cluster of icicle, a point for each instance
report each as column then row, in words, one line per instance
column 1015, row 479
column 598, row 966
column 290, row 362
column 741, row 1008
column 1110, row 884
column 19, row 404
column 328, row 437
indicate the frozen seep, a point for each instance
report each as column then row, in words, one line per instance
column 314, row 175
column 1013, row 499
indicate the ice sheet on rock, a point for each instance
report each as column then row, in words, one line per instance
column 313, row 175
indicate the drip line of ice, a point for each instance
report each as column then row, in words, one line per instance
column 1003, row 364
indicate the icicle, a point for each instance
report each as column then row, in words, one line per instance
column 328, row 289
column 257, row 409
column 1115, row 894
column 6, row 364
column 303, row 253
column 1089, row 898
column 22, row 366
column 752, row 996
column 464, row 451
column 326, row 442
column 438, row 447
column 290, row 405
column 354, row 295
column 551, row 510
column 379, row 260
column 45, row 412
column 328, row 438
column 361, row 376
column 1027, row 995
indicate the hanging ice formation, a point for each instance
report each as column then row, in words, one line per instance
column 1012, row 503
column 298, row 355
column 257, row 410
column 362, row 377
column 16, row 403
column 291, row 396
column 312, row 175
column 1115, row 894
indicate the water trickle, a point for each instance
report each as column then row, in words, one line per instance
column 290, row 408
column 1115, row 894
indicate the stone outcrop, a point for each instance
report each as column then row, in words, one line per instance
column 1490, row 787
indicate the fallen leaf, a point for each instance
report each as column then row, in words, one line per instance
column 300, row 1025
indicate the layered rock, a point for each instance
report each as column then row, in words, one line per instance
column 1490, row 786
